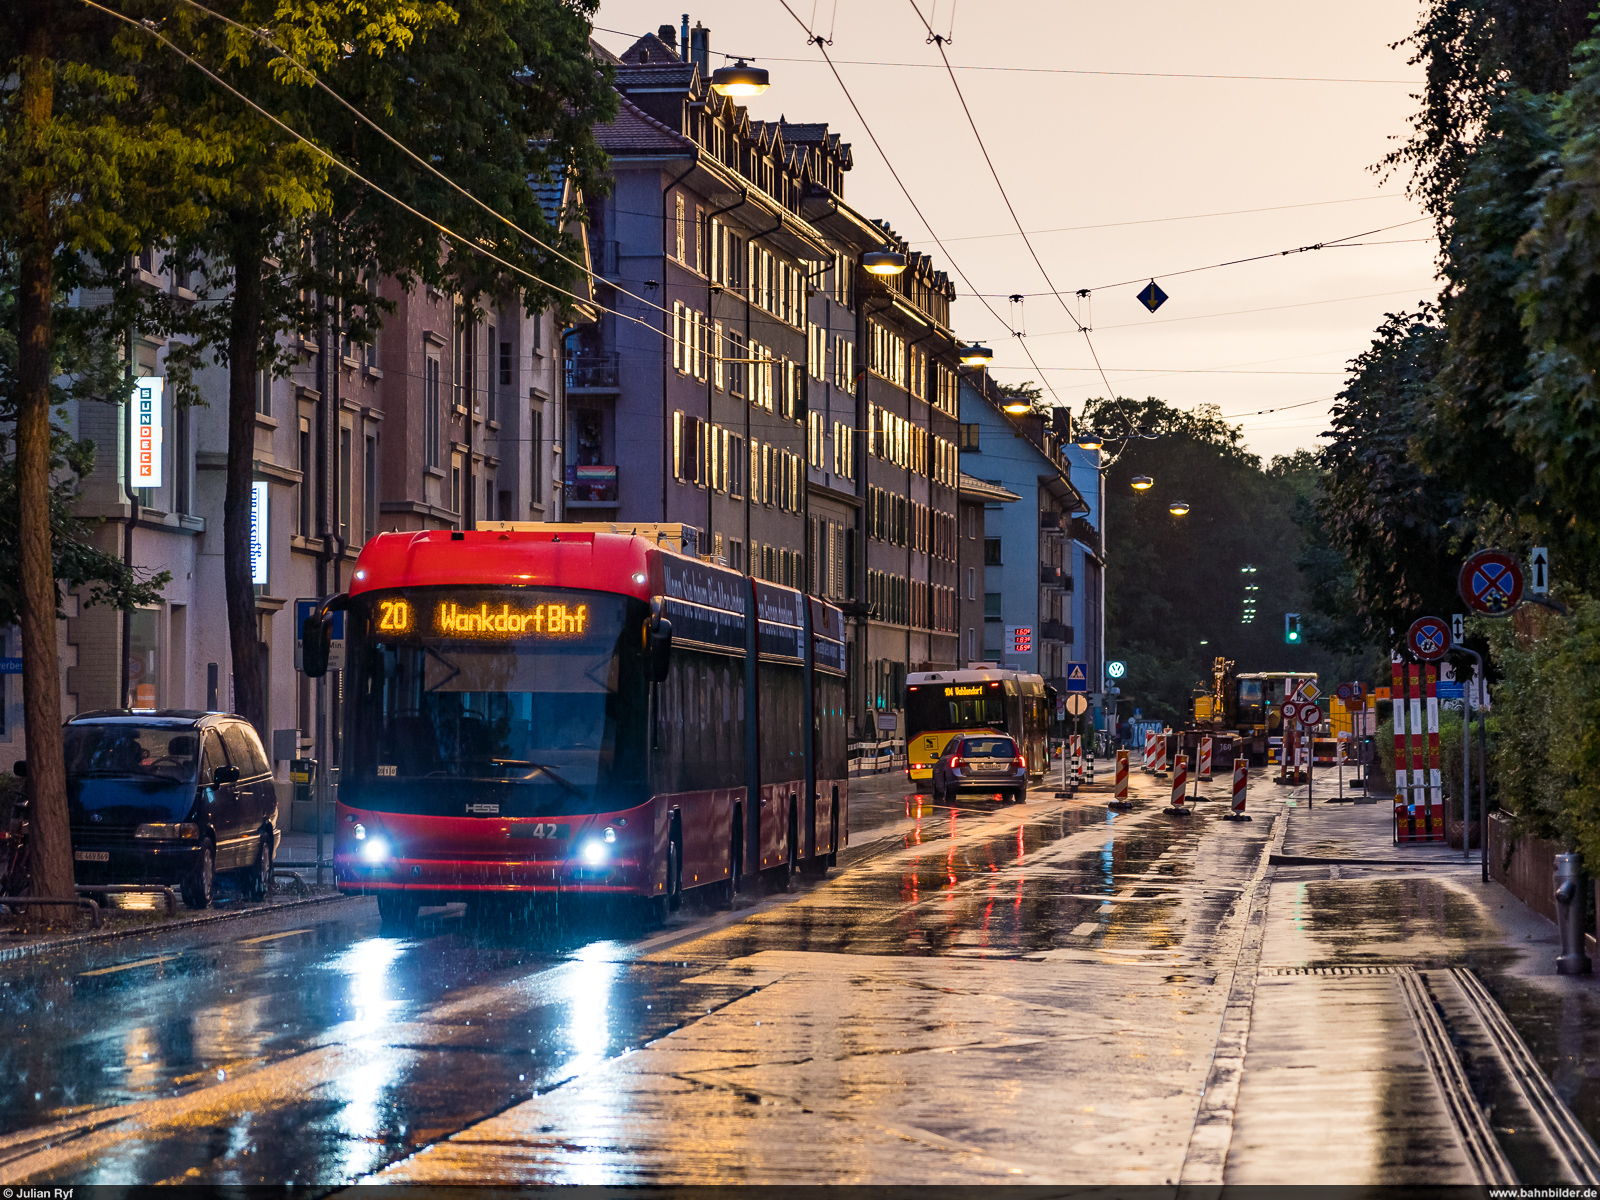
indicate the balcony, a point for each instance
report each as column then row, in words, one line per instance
column 1056, row 631
column 591, row 486
column 592, row 373
column 1083, row 531
column 1050, row 576
column 1050, row 519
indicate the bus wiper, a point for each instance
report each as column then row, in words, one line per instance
column 544, row 768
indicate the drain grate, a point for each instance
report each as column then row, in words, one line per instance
column 1327, row 971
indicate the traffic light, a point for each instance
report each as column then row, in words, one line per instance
column 1291, row 628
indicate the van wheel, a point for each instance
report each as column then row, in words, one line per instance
column 197, row 887
column 254, row 881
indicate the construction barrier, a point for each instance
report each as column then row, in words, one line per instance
column 1077, row 759
column 1149, row 764
column 1161, row 754
column 1241, row 782
column 1119, row 798
column 1180, row 784
column 1418, row 799
column 1205, row 760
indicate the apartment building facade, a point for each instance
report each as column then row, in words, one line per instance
column 751, row 378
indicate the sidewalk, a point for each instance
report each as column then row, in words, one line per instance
column 1368, row 1018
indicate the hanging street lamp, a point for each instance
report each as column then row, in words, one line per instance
column 741, row 80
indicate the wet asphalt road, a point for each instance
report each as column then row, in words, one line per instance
column 984, row 991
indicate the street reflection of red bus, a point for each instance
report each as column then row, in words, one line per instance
column 560, row 711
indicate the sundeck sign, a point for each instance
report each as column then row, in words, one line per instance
column 145, row 456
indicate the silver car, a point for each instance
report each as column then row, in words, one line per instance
column 985, row 763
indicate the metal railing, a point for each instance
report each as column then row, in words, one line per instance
column 592, row 372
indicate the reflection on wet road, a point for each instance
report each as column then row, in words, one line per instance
column 984, row 991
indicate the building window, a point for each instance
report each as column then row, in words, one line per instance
column 735, row 461
column 536, row 455
column 991, row 606
column 303, row 491
column 180, row 458
column 736, row 554
column 344, row 484
column 431, row 416
column 972, row 583
column 455, row 483
column 969, row 438
column 264, row 393
column 991, row 552
column 815, row 454
column 738, row 369
column 369, row 482
column 682, row 221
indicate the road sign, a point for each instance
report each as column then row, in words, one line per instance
column 1491, row 582
column 1538, row 571
column 1428, row 638
column 1380, row 693
column 1450, row 691
column 1076, row 704
column 1152, row 297
column 1345, row 693
column 1309, row 691
column 1458, row 628
column 302, row 610
column 1077, row 677
column 1116, row 670
column 1061, row 707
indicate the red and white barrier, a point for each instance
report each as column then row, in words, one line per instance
column 1180, row 783
column 1149, row 763
column 1119, row 797
column 1077, row 759
column 1161, row 754
column 1205, row 760
column 1241, row 782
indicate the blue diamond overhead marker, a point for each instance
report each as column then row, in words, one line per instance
column 1152, row 297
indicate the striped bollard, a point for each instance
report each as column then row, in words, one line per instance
column 1077, row 759
column 1205, row 760
column 1180, row 784
column 1161, row 754
column 1119, row 798
column 1241, row 780
column 1149, row 763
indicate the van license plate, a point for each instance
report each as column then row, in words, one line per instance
column 91, row 856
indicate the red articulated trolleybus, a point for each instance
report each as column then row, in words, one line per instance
column 552, row 710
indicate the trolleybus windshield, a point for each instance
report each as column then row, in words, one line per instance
column 506, row 702
column 954, row 706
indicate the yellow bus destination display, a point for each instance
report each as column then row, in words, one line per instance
column 550, row 620
column 975, row 690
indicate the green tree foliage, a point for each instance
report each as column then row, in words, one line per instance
column 1175, row 590
column 1397, row 529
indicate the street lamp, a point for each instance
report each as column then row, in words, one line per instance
column 1178, row 508
column 1090, row 440
column 1017, row 407
column 741, row 79
column 976, row 355
column 884, row 261
column 1142, row 483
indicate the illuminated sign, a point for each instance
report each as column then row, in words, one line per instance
column 145, row 453
column 260, row 516
column 552, row 620
column 964, row 691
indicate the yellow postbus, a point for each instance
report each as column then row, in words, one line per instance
column 941, row 704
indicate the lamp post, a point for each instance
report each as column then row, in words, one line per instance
column 741, row 79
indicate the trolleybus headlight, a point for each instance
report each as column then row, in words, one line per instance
column 609, row 834
column 361, row 833
column 595, row 852
column 375, row 850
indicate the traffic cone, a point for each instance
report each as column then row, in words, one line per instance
column 1241, row 780
column 1119, row 798
column 1180, row 783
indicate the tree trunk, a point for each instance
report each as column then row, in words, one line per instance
column 49, row 832
column 244, row 342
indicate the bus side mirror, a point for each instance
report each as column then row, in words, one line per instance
column 658, row 649
column 316, row 644
column 20, row 768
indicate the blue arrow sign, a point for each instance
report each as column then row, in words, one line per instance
column 1077, row 677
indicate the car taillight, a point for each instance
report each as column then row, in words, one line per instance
column 1020, row 763
column 955, row 763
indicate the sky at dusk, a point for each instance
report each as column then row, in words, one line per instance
column 1087, row 128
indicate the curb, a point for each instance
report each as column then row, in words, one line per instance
column 10, row 954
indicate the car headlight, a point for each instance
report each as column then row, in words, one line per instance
column 361, row 833
column 594, row 851
column 184, row 832
column 374, row 849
